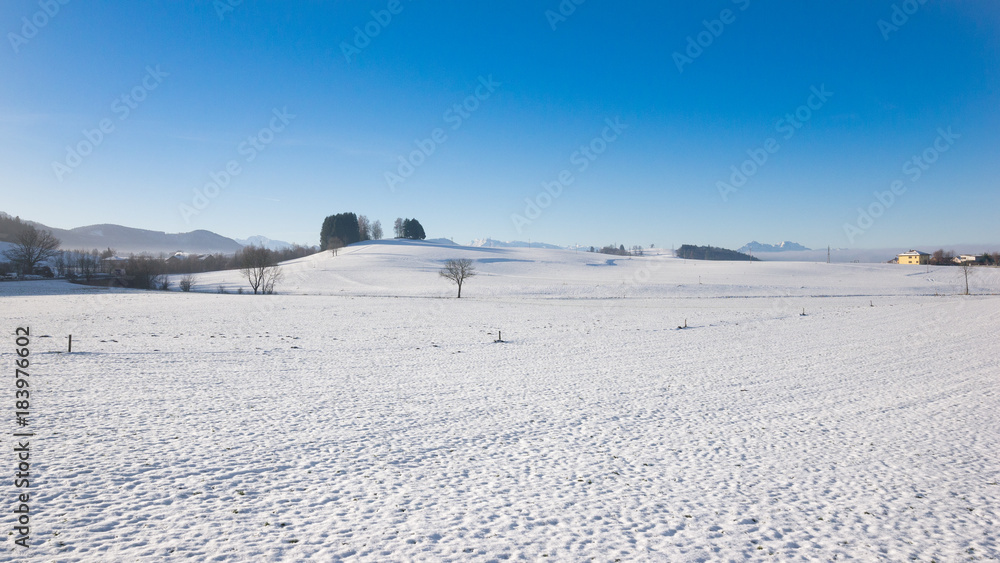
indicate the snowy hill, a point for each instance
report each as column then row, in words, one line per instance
column 410, row 268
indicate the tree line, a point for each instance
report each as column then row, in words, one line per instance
column 36, row 252
column 942, row 257
column 620, row 250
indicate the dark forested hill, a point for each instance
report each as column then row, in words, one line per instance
column 692, row 252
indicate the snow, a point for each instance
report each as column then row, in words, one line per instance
column 365, row 414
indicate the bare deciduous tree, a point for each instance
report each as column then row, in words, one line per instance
column 258, row 266
column 31, row 247
column 145, row 272
column 458, row 271
column 364, row 228
column 377, row 230
column 60, row 264
column 87, row 265
column 966, row 270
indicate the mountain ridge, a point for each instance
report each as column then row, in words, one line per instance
column 135, row 240
column 492, row 243
column 784, row 246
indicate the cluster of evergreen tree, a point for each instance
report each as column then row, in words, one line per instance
column 692, row 252
column 339, row 230
column 343, row 229
column 409, row 228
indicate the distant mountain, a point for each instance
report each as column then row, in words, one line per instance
column 490, row 243
column 125, row 240
column 128, row 239
column 260, row 240
column 786, row 246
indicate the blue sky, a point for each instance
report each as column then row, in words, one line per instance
column 311, row 118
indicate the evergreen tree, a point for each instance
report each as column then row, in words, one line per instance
column 343, row 226
column 326, row 233
column 412, row 229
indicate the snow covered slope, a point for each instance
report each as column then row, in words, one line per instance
column 365, row 414
column 397, row 267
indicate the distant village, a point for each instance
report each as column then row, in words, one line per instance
column 946, row 258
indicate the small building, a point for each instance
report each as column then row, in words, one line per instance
column 970, row 258
column 914, row 257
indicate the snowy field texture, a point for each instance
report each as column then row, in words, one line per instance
column 365, row 414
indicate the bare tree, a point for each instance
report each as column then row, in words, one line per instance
column 397, row 227
column 145, row 272
column 258, row 266
column 966, row 270
column 86, row 265
column 273, row 276
column 458, row 271
column 377, row 230
column 60, row 264
column 364, row 228
column 31, row 247
column 187, row 282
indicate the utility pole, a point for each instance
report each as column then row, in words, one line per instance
column 828, row 254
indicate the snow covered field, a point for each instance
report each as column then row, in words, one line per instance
column 365, row 414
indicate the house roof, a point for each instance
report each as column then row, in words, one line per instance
column 914, row 253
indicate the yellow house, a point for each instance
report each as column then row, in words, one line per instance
column 914, row 257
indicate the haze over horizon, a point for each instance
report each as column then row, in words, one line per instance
column 718, row 123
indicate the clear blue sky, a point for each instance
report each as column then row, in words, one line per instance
column 199, row 81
